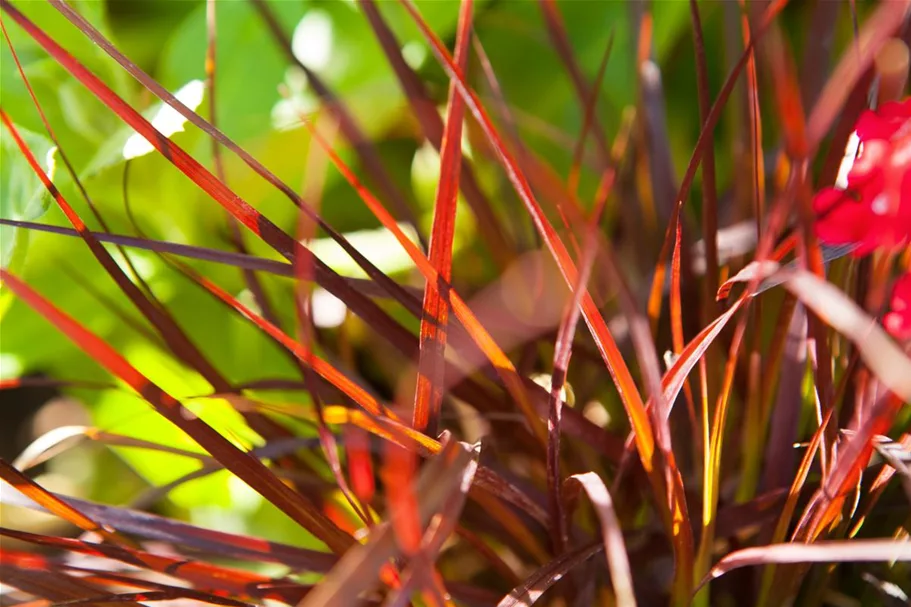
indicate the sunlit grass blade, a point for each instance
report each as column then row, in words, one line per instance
column 246, row 467
column 479, row 334
column 617, row 367
column 672, row 502
column 177, row 533
column 358, row 569
column 428, row 398
column 200, row 574
column 55, row 505
column 240, row 209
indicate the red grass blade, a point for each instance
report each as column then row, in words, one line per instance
column 426, row 113
column 201, row 575
column 209, row 541
column 398, row 473
column 606, row 345
column 238, row 208
column 478, row 333
column 360, row 465
column 356, row 571
column 428, row 397
column 55, row 505
column 436, row 535
column 671, row 500
column 247, row 468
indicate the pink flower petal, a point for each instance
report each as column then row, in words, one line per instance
column 898, row 320
column 891, row 120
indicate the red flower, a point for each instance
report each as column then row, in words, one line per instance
column 898, row 320
column 874, row 210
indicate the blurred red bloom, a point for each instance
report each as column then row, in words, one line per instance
column 874, row 210
column 898, row 320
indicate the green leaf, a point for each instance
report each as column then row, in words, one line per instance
column 22, row 194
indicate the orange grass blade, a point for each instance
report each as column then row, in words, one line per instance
column 240, row 209
column 670, row 499
column 55, row 505
column 209, row 541
column 470, row 322
column 246, row 467
column 198, row 573
column 629, row 394
column 784, row 519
